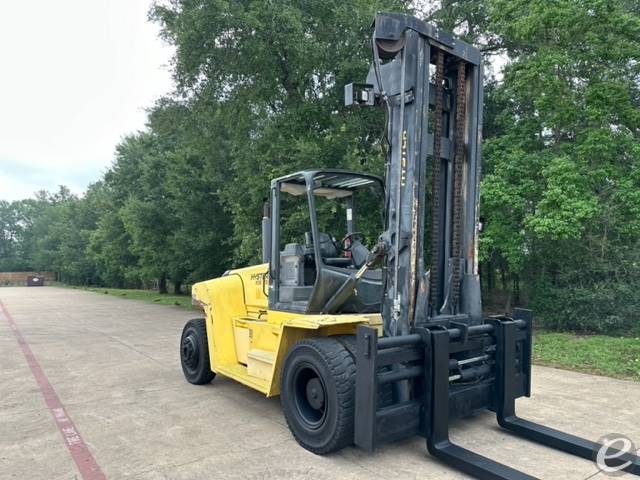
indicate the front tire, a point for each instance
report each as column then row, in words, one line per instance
column 194, row 353
column 318, row 394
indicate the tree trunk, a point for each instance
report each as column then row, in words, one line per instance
column 491, row 284
column 162, row 283
column 507, row 306
column 177, row 287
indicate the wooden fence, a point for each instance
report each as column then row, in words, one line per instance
column 20, row 278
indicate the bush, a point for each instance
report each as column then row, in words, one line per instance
column 608, row 307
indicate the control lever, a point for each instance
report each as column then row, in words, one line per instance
column 349, row 286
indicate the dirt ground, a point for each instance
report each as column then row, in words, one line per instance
column 91, row 387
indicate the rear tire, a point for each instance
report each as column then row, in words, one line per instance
column 194, row 353
column 318, row 393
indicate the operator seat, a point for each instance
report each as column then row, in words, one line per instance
column 336, row 271
column 359, row 253
column 329, row 252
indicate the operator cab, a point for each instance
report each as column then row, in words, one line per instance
column 323, row 225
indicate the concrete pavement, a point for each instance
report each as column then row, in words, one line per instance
column 114, row 367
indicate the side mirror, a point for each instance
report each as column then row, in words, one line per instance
column 481, row 225
column 359, row 94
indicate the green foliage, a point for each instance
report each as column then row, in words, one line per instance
column 560, row 191
column 61, row 236
column 11, row 231
column 276, row 70
column 109, row 249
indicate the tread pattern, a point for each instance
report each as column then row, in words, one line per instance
column 385, row 392
column 206, row 375
column 342, row 368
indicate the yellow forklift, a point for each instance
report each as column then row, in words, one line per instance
column 368, row 332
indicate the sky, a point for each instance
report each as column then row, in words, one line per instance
column 75, row 77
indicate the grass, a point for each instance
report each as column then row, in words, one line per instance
column 147, row 296
column 596, row 354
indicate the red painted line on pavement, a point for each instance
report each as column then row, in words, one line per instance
column 87, row 465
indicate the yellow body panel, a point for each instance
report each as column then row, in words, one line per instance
column 247, row 341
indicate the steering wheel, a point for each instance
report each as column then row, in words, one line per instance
column 353, row 236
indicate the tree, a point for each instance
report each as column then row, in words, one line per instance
column 10, row 230
column 137, row 181
column 276, row 70
column 563, row 164
column 197, row 170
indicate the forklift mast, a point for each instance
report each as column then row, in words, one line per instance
column 430, row 85
column 443, row 359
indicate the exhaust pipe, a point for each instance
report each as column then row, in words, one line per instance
column 266, row 232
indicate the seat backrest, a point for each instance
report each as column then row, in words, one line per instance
column 327, row 247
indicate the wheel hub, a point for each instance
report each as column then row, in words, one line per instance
column 310, row 396
column 189, row 350
column 315, row 393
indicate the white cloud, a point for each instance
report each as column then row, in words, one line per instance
column 75, row 77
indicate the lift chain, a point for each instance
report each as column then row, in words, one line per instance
column 436, row 161
column 456, row 243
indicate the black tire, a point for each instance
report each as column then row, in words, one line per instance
column 317, row 394
column 384, row 394
column 194, row 352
